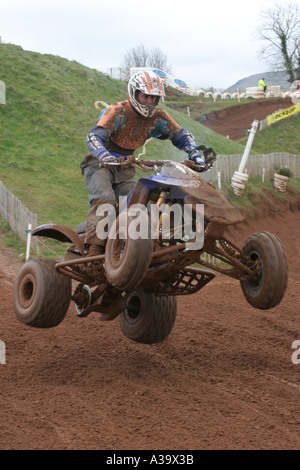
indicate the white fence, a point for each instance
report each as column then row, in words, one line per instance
column 226, row 165
column 17, row 216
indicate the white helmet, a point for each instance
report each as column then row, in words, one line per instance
column 150, row 84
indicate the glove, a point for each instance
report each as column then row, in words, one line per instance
column 209, row 155
column 197, row 158
column 109, row 159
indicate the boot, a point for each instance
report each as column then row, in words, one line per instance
column 93, row 243
column 96, row 250
column 94, row 267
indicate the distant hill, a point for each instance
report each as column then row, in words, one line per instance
column 271, row 78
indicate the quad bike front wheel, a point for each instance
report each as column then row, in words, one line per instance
column 127, row 258
column 266, row 257
column 41, row 295
column 148, row 318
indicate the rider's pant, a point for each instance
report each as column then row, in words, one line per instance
column 105, row 186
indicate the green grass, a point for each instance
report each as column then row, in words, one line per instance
column 282, row 136
column 11, row 239
column 49, row 109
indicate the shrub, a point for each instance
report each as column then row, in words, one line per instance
column 284, row 172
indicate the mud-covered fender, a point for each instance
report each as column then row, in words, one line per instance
column 60, row 233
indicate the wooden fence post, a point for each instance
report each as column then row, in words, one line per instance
column 17, row 216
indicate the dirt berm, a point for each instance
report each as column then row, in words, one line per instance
column 236, row 121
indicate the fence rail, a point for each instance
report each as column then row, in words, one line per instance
column 17, row 215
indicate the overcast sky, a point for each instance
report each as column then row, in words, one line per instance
column 208, row 43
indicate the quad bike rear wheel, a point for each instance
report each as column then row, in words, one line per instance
column 148, row 318
column 126, row 258
column 41, row 295
column 267, row 258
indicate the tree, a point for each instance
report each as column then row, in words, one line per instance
column 297, row 63
column 140, row 56
column 280, row 33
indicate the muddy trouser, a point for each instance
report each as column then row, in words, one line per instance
column 106, row 186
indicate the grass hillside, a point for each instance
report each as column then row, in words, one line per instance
column 282, row 136
column 49, row 110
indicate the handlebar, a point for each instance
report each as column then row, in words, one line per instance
column 149, row 165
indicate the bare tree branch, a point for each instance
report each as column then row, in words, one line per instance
column 279, row 32
column 139, row 56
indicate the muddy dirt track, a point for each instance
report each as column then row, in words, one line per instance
column 223, row 379
column 234, row 122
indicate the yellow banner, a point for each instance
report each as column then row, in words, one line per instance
column 283, row 114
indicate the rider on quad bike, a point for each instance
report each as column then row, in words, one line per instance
column 138, row 279
column 121, row 129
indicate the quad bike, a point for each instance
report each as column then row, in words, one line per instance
column 139, row 279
